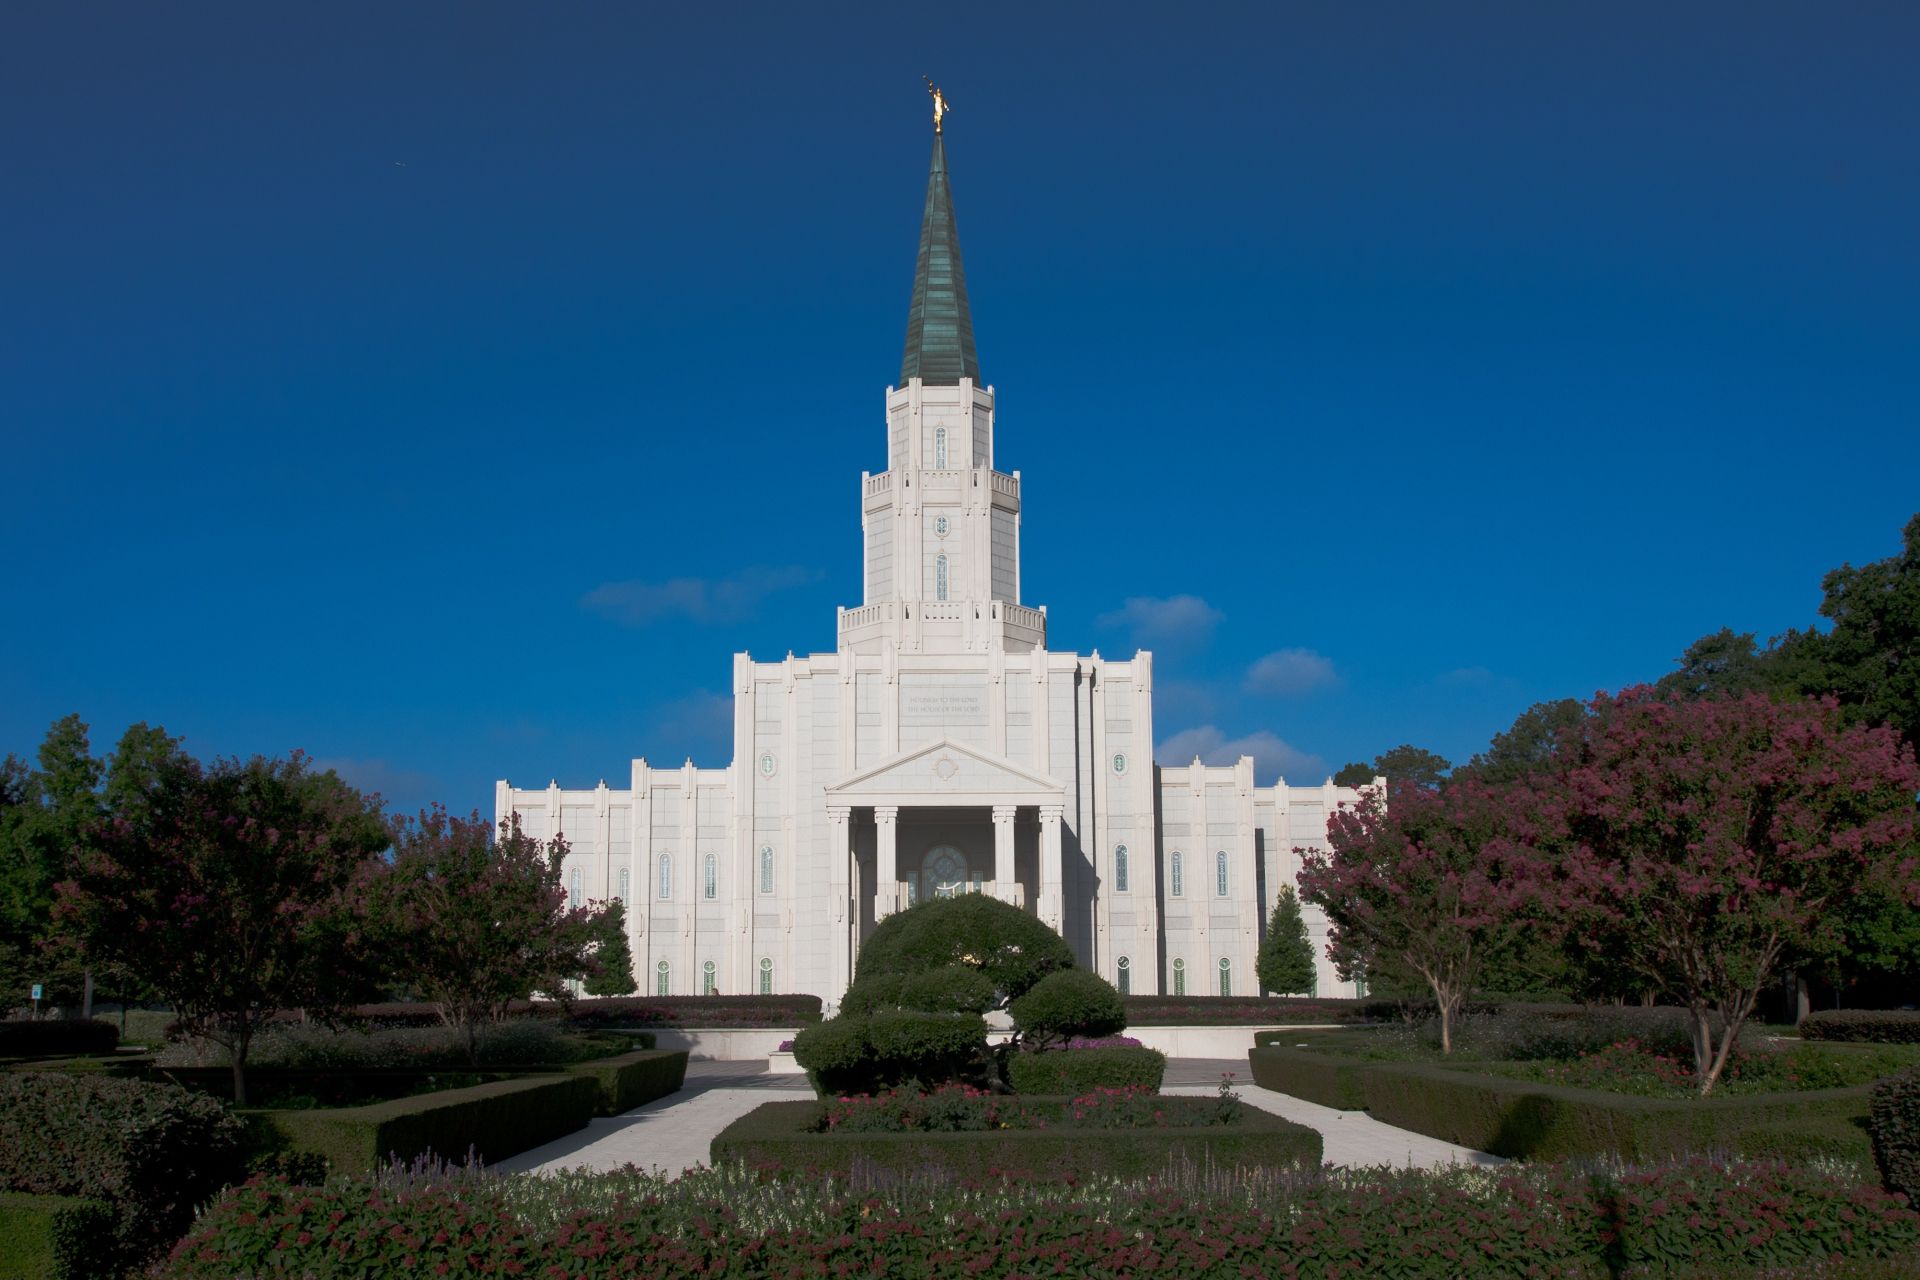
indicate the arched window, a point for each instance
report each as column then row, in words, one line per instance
column 1125, row 983
column 1120, row 868
column 626, row 883
column 940, row 447
column 1178, row 878
column 939, row 577
column 710, row 877
column 1226, row 976
column 708, row 983
column 1179, row 976
column 573, row 887
column 1220, row 873
column 766, row 868
column 666, row 875
column 766, row 976
column 662, row 979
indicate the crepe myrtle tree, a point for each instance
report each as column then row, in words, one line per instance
column 1698, row 842
column 479, row 920
column 228, row 890
column 1422, row 881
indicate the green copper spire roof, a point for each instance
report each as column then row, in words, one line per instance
column 939, row 324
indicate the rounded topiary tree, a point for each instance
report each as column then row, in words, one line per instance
column 1065, row 1004
column 925, row 978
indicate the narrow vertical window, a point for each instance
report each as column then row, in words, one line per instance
column 939, row 577
column 663, row 979
column 1178, row 878
column 766, row 868
column 940, row 447
column 573, row 887
column 710, row 881
column 1126, row 977
column 1220, row 874
column 766, row 976
column 1120, row 868
column 626, row 882
column 666, row 875
column 708, row 983
column 1226, row 976
column 1179, row 976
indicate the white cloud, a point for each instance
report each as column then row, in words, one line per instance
column 697, row 727
column 1273, row 756
column 1288, row 673
column 400, row 787
column 1157, row 620
column 634, row 603
column 1466, row 677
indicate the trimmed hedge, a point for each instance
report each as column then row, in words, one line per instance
column 865, row 1054
column 1075, row 1071
column 492, row 1120
column 55, row 1238
column 634, row 1078
column 1894, row 1121
column 1878, row 1026
column 56, row 1037
column 1072, row 1002
column 150, row 1151
column 1236, row 1011
column 778, row 1136
column 613, row 1012
column 1530, row 1120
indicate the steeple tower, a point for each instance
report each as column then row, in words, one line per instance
column 939, row 348
column 941, row 525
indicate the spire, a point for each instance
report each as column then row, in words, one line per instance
column 939, row 323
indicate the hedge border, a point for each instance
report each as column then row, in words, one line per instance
column 495, row 1120
column 56, row 1038
column 1530, row 1120
column 1862, row 1026
column 774, row 1136
column 55, row 1237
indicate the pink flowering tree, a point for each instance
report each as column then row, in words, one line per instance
column 1426, row 882
column 478, row 921
column 228, row 890
column 1696, row 842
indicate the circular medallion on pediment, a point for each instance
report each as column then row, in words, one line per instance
column 946, row 768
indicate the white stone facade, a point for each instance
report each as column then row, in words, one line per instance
column 940, row 748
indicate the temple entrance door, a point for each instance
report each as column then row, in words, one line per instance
column 944, row 873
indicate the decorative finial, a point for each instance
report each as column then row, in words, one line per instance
column 940, row 107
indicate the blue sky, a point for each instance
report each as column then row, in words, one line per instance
column 449, row 389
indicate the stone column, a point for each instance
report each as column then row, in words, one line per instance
column 1052, row 868
column 886, row 889
column 1005, row 886
column 846, row 915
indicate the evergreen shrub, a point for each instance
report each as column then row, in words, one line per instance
column 55, row 1238
column 1072, row 1071
column 1880, row 1026
column 52, row 1037
column 150, row 1151
column 1068, row 1003
column 1012, row 949
column 1893, row 1119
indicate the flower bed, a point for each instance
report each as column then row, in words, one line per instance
column 1120, row 1131
column 1690, row 1218
column 1531, row 1120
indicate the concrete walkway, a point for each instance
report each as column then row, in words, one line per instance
column 676, row 1132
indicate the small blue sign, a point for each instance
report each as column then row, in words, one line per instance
column 36, row 991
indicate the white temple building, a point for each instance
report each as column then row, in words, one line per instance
column 940, row 748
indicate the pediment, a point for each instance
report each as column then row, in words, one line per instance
column 946, row 772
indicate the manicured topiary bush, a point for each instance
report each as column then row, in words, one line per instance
column 150, row 1151
column 1068, row 1003
column 56, row 1036
column 1893, row 1118
column 952, row 988
column 1880, row 1026
column 864, row 1054
column 1078, row 1070
column 1012, row 949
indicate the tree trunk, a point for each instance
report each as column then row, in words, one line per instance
column 1441, row 998
column 238, row 1052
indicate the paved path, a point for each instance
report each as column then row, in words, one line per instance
column 676, row 1132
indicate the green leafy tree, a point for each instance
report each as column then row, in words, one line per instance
column 231, row 895
column 1408, row 763
column 1725, row 664
column 1285, row 962
column 476, row 920
column 1870, row 658
column 44, row 813
column 1357, row 774
column 612, row 953
column 1529, row 743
